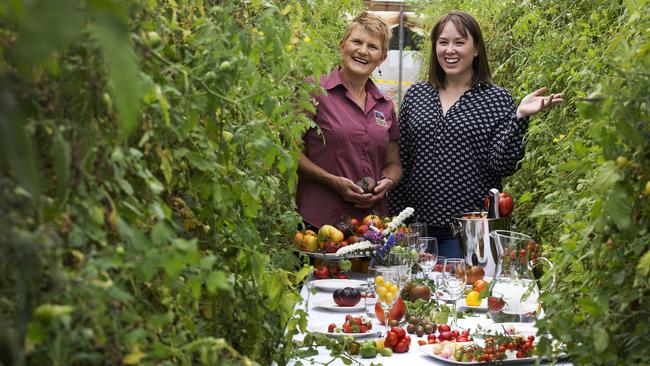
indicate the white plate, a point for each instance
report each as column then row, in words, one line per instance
column 482, row 307
column 322, row 329
column 330, row 305
column 428, row 350
column 333, row 256
column 333, row 284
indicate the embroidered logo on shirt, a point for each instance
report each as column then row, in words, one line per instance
column 379, row 118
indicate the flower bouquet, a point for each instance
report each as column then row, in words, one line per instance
column 378, row 244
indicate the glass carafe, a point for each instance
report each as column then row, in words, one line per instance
column 514, row 293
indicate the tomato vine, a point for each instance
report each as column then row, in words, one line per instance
column 148, row 160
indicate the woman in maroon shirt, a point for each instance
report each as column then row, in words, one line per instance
column 358, row 133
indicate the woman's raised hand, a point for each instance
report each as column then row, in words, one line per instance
column 536, row 101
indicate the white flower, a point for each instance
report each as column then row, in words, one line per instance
column 356, row 247
column 399, row 219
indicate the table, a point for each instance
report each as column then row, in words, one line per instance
column 414, row 357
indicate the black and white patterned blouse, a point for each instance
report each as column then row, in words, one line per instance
column 450, row 162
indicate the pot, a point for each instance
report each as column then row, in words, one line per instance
column 476, row 245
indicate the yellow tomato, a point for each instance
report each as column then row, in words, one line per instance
column 329, row 232
column 381, row 290
column 379, row 281
column 390, row 297
column 379, row 343
column 472, row 299
column 391, row 287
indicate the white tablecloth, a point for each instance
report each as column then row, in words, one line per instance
column 319, row 316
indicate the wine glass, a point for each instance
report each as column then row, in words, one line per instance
column 410, row 240
column 402, row 262
column 428, row 249
column 454, row 278
column 387, row 288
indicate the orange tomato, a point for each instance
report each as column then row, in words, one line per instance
column 375, row 220
column 480, row 285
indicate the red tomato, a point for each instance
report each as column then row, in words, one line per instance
column 444, row 328
column 391, row 339
column 422, row 342
column 331, row 327
column 322, row 272
column 480, row 285
column 401, row 347
column 506, row 204
column 455, row 333
column 401, row 333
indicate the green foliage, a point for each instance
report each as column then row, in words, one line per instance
column 148, row 164
column 580, row 188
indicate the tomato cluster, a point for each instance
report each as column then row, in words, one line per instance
column 496, row 348
column 397, row 340
column 352, row 324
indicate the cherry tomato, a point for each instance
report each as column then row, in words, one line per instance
column 444, row 328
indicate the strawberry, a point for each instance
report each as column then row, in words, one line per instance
column 363, row 328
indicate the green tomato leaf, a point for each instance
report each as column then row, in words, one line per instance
column 606, row 177
column 601, row 339
column 619, row 208
column 217, row 280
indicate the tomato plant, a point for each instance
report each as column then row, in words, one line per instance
column 147, row 177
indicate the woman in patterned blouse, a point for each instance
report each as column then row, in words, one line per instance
column 459, row 133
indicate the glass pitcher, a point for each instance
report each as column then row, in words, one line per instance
column 514, row 294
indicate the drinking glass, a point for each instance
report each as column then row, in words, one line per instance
column 454, row 278
column 428, row 249
column 370, row 300
column 387, row 288
column 309, row 286
column 419, row 228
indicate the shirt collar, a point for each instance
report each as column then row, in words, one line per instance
column 333, row 80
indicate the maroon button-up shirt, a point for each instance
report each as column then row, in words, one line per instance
column 353, row 145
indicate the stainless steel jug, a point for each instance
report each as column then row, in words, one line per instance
column 476, row 245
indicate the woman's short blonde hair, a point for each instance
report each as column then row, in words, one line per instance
column 373, row 25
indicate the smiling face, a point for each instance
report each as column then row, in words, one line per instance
column 455, row 53
column 361, row 53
